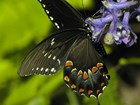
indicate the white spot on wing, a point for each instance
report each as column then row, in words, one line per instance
column 47, row 11
column 37, row 68
column 86, row 24
column 58, row 27
column 52, row 70
column 88, row 28
column 89, row 72
column 52, row 43
column 51, row 18
column 53, row 39
column 67, row 85
column 46, row 54
column 82, row 94
column 93, row 96
column 43, row 52
column 58, row 61
column 42, row 69
column 88, row 35
column 46, row 70
column 54, row 57
column 74, row 91
column 32, row 69
column 44, row 5
column 56, row 24
column 104, row 88
column 99, row 95
column 50, row 56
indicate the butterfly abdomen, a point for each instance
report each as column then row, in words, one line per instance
column 89, row 82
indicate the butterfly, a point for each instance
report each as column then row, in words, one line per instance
column 70, row 47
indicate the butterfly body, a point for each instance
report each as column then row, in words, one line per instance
column 72, row 47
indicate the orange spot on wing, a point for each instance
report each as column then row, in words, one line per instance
column 73, row 86
column 85, row 76
column 80, row 72
column 94, row 69
column 97, row 91
column 99, row 65
column 81, row 90
column 90, row 92
column 69, row 63
column 66, row 78
column 102, row 84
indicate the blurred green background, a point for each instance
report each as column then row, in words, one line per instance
column 23, row 23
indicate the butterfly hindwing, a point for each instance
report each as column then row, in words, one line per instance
column 84, row 71
column 49, row 55
column 62, row 14
column 100, row 48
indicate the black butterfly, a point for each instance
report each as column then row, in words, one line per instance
column 72, row 47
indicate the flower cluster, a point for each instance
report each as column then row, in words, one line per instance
column 116, row 16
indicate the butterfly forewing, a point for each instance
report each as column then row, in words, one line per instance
column 62, row 14
column 49, row 55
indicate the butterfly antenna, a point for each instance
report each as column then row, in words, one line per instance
column 95, row 13
column 84, row 8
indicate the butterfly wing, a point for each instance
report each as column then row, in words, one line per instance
column 100, row 48
column 84, row 71
column 49, row 55
column 62, row 14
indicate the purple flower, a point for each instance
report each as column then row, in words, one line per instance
column 120, row 32
column 119, row 29
column 136, row 13
column 97, row 28
column 121, row 4
column 129, row 36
